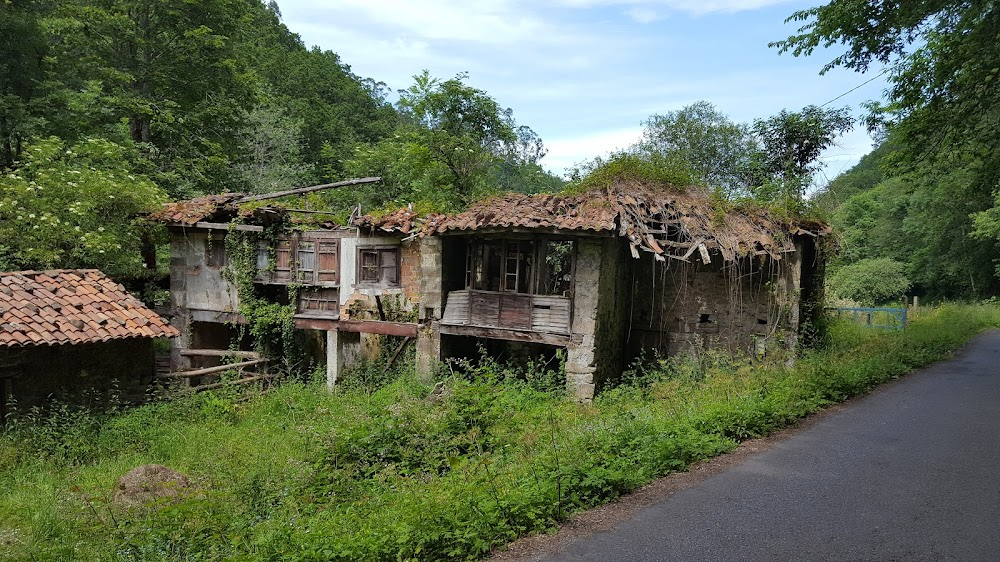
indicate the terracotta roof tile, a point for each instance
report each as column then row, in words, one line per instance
column 71, row 306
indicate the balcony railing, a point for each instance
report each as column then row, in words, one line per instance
column 512, row 311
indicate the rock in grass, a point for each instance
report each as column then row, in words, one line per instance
column 148, row 483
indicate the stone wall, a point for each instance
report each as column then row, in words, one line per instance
column 734, row 306
column 612, row 311
column 68, row 372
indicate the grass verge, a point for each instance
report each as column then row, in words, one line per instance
column 387, row 474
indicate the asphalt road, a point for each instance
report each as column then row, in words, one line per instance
column 910, row 472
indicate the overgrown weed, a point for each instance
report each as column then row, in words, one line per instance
column 394, row 468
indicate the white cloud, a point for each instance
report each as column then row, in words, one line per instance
column 488, row 22
column 642, row 15
column 565, row 152
column 694, row 7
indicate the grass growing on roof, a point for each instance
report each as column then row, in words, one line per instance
column 383, row 472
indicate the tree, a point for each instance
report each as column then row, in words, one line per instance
column 272, row 159
column 168, row 70
column 791, row 142
column 716, row 148
column 771, row 161
column 939, row 112
column 455, row 144
column 871, row 282
column 74, row 206
column 22, row 51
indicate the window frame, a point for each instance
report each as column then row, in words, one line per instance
column 379, row 251
column 216, row 256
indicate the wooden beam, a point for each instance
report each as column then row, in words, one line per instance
column 216, row 316
column 310, row 189
column 504, row 334
column 227, row 226
column 395, row 355
column 219, row 353
column 213, row 370
column 362, row 326
column 228, row 383
column 308, row 212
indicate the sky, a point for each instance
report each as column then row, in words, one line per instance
column 585, row 74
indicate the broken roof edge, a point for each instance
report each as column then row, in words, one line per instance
column 642, row 214
column 187, row 212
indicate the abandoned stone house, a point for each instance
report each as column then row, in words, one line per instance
column 599, row 276
column 71, row 331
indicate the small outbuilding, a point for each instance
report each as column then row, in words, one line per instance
column 72, row 331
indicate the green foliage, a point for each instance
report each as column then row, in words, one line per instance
column 871, row 281
column 921, row 215
column 401, row 473
column 74, row 206
column 456, row 144
column 938, row 122
column 770, row 162
column 715, row 147
column 653, row 168
column 271, row 324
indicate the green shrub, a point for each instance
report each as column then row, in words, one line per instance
column 871, row 281
column 388, row 470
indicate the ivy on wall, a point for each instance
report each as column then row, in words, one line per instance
column 271, row 324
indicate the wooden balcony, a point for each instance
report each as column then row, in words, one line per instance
column 547, row 314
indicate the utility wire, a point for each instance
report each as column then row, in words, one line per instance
column 872, row 79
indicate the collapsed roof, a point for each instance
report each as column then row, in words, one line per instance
column 667, row 222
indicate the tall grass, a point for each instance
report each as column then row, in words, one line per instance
column 379, row 471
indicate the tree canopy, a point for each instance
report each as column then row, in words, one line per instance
column 926, row 196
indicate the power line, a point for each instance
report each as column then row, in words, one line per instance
column 872, row 79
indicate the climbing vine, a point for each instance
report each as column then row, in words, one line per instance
column 271, row 324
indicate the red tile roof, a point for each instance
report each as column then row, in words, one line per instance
column 67, row 306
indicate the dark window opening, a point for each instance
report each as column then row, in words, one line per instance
column 762, row 322
column 378, row 266
column 523, row 266
column 215, row 253
column 704, row 318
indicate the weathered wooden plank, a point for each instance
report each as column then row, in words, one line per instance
column 219, row 353
column 246, row 380
column 227, row 226
column 362, row 326
column 310, row 189
column 484, row 309
column 506, row 334
column 213, row 370
column 515, row 311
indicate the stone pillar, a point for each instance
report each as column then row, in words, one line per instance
column 341, row 351
column 580, row 363
column 178, row 303
column 428, row 351
column 791, row 300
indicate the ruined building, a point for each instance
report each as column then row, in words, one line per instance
column 601, row 276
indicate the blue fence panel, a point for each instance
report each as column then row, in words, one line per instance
column 873, row 317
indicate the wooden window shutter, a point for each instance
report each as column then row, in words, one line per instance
column 306, row 261
column 282, row 261
column 328, row 261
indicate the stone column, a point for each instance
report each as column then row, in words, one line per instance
column 580, row 361
column 178, row 303
column 431, row 304
column 341, row 351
